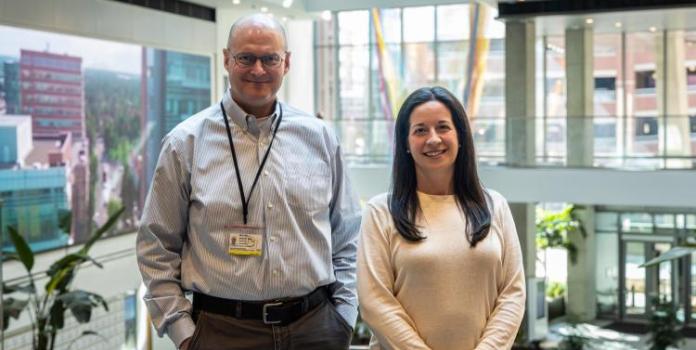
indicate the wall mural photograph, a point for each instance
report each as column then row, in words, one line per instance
column 80, row 127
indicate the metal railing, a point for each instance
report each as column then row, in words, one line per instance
column 636, row 142
column 111, row 328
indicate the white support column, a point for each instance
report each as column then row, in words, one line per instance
column 524, row 215
column 519, row 93
column 672, row 99
column 582, row 293
column 519, row 126
column 580, row 148
column 580, row 97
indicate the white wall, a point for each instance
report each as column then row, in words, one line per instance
column 299, row 82
column 112, row 21
column 668, row 188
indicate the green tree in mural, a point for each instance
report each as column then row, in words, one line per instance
column 129, row 194
column 112, row 113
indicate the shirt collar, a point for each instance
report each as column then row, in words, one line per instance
column 244, row 120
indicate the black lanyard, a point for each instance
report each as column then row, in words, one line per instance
column 245, row 201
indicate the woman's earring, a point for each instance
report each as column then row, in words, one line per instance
column 409, row 151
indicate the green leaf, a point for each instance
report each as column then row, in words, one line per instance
column 81, row 303
column 61, row 272
column 60, row 280
column 57, row 319
column 672, row 254
column 103, row 229
column 12, row 308
column 26, row 256
column 67, row 261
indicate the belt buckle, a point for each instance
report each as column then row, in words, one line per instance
column 265, row 312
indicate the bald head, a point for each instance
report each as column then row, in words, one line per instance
column 257, row 21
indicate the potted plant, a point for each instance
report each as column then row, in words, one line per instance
column 361, row 333
column 664, row 326
column 553, row 230
column 47, row 310
column 555, row 297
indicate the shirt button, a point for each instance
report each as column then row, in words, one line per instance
column 265, row 172
column 273, row 239
column 270, row 206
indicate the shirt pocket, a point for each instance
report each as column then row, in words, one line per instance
column 308, row 184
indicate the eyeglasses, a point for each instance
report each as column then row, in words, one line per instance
column 248, row 59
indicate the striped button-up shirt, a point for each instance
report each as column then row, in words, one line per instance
column 303, row 201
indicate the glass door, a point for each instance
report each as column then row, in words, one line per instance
column 635, row 286
column 662, row 276
column 642, row 286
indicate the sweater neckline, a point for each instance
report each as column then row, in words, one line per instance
column 434, row 197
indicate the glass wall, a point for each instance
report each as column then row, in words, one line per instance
column 627, row 238
column 551, row 129
column 608, row 99
column 368, row 61
column 644, row 102
column 641, row 94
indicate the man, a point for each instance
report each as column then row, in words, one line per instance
column 250, row 209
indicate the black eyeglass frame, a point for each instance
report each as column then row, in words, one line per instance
column 266, row 60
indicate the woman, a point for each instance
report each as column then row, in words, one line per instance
column 439, row 263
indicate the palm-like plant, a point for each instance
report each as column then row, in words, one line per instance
column 672, row 254
column 553, row 229
column 47, row 311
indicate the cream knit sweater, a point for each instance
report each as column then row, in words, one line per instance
column 440, row 293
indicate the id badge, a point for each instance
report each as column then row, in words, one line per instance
column 245, row 240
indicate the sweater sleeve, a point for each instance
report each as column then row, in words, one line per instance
column 501, row 327
column 386, row 317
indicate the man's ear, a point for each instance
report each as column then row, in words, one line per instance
column 286, row 68
column 226, row 57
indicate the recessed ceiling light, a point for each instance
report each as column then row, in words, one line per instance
column 589, row 21
column 287, row 3
column 326, row 15
column 264, row 9
column 235, row 2
column 653, row 29
column 617, row 24
column 285, row 19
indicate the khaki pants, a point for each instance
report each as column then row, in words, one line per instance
column 321, row 328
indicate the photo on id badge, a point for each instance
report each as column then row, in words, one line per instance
column 245, row 239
